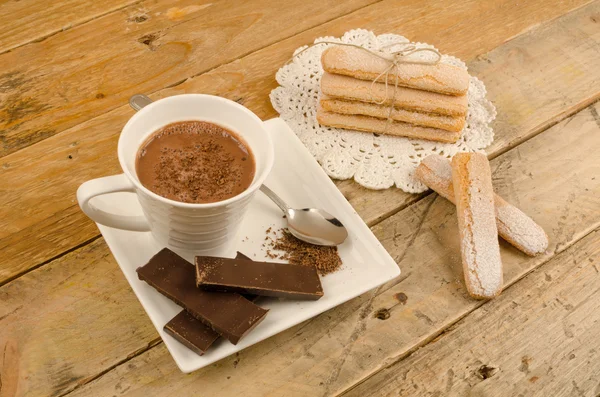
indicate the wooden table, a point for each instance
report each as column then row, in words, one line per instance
column 70, row 324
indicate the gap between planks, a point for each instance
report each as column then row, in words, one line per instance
column 460, row 320
column 245, row 54
column 153, row 343
column 506, row 335
column 65, row 252
column 69, row 27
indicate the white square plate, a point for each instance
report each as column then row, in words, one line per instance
column 300, row 181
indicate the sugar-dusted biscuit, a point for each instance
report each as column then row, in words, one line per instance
column 513, row 225
column 480, row 251
column 348, row 88
column 380, row 126
column 360, row 64
column 443, row 122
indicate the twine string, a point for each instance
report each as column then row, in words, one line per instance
column 394, row 58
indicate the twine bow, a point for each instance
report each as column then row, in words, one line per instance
column 394, row 59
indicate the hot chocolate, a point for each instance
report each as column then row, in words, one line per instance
column 195, row 162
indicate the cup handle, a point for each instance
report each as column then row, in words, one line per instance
column 109, row 184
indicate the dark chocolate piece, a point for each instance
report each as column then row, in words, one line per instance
column 193, row 333
column 259, row 278
column 230, row 314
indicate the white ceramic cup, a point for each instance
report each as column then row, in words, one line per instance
column 182, row 226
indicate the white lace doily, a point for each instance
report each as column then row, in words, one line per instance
column 374, row 161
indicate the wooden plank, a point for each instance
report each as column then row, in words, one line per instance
column 539, row 338
column 58, row 320
column 25, row 21
column 57, row 164
column 53, row 85
column 33, row 200
column 328, row 354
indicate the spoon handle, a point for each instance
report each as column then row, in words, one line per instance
column 275, row 198
column 139, row 101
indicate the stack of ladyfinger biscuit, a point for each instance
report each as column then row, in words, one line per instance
column 427, row 101
column 482, row 216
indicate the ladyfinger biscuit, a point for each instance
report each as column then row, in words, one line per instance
column 480, row 251
column 433, row 120
column 348, row 88
column 380, row 126
column 360, row 64
column 513, row 225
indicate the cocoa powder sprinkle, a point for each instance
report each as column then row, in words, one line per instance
column 287, row 247
column 195, row 162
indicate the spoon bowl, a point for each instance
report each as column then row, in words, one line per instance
column 315, row 226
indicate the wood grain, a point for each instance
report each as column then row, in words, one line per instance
column 328, row 354
column 58, row 320
column 540, row 338
column 34, row 201
column 25, row 21
column 93, row 68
